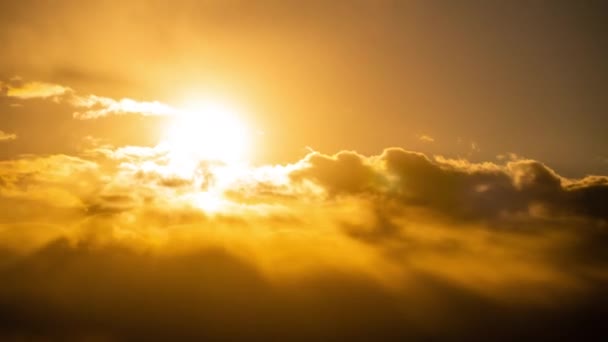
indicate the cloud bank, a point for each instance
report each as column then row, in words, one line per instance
column 118, row 244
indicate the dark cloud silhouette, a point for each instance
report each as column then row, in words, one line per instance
column 83, row 292
column 460, row 189
column 346, row 172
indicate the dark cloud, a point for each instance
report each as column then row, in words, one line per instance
column 74, row 292
column 346, row 172
column 458, row 188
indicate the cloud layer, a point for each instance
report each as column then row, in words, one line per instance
column 119, row 244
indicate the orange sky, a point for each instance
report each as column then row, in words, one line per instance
column 526, row 79
column 303, row 170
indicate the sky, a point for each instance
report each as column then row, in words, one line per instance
column 303, row 170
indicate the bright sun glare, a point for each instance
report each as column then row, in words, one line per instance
column 207, row 130
column 212, row 133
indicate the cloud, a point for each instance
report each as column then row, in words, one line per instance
column 426, row 138
column 118, row 244
column 7, row 136
column 88, row 106
column 18, row 89
column 97, row 106
column 330, row 172
column 457, row 187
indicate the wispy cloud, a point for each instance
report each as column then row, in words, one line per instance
column 7, row 136
column 87, row 106
column 98, row 106
column 426, row 138
column 31, row 90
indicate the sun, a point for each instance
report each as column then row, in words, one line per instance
column 210, row 131
column 209, row 143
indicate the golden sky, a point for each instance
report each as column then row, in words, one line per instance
column 303, row 170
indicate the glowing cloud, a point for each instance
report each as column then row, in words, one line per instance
column 32, row 90
column 98, row 106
